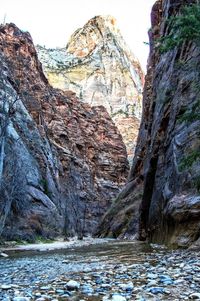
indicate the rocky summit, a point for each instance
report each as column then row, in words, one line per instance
column 161, row 199
column 62, row 161
column 98, row 65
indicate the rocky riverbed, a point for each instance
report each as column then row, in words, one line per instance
column 112, row 270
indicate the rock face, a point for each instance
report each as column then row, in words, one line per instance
column 64, row 161
column 100, row 68
column 164, row 182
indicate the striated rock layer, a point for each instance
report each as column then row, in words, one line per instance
column 98, row 65
column 162, row 193
column 64, row 161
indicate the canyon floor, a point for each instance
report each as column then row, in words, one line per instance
column 99, row 270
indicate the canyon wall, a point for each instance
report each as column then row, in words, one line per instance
column 98, row 65
column 63, row 160
column 161, row 200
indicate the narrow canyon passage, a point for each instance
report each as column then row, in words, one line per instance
column 69, row 127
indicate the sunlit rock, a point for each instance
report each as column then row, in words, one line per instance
column 98, row 65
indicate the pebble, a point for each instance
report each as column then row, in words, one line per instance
column 126, row 286
column 195, row 296
column 60, row 292
column 45, row 288
column 87, row 289
column 178, row 281
column 73, row 285
column 106, row 285
column 172, row 275
column 4, row 255
column 152, row 283
column 165, row 279
column 118, row 298
column 152, row 276
column 156, row 290
column 6, row 287
column 21, row 299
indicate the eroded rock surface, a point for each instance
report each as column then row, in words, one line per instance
column 64, row 161
column 98, row 65
column 165, row 175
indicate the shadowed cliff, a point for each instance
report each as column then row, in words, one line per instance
column 161, row 200
column 61, row 160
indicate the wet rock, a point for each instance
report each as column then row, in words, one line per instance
column 195, row 296
column 72, row 285
column 152, row 276
column 179, row 281
column 60, row 291
column 21, row 299
column 126, row 286
column 6, row 286
column 156, row 290
column 44, row 288
column 152, row 283
column 118, row 298
column 87, row 289
column 3, row 255
column 165, row 279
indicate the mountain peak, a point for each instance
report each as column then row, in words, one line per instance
column 102, row 70
column 104, row 20
column 95, row 32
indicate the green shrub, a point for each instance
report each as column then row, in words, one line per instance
column 182, row 27
column 186, row 164
column 44, row 183
column 191, row 115
column 197, row 183
column 188, row 160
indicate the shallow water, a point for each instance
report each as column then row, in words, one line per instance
column 78, row 259
column 113, row 263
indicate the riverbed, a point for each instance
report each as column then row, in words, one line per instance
column 107, row 270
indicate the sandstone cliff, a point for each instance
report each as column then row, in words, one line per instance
column 63, row 161
column 164, row 182
column 98, row 65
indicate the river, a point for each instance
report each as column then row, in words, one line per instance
column 111, row 270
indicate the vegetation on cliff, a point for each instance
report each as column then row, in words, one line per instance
column 182, row 30
column 166, row 166
column 183, row 27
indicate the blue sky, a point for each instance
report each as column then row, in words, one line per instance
column 51, row 22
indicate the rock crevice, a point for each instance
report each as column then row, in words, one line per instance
column 166, row 162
